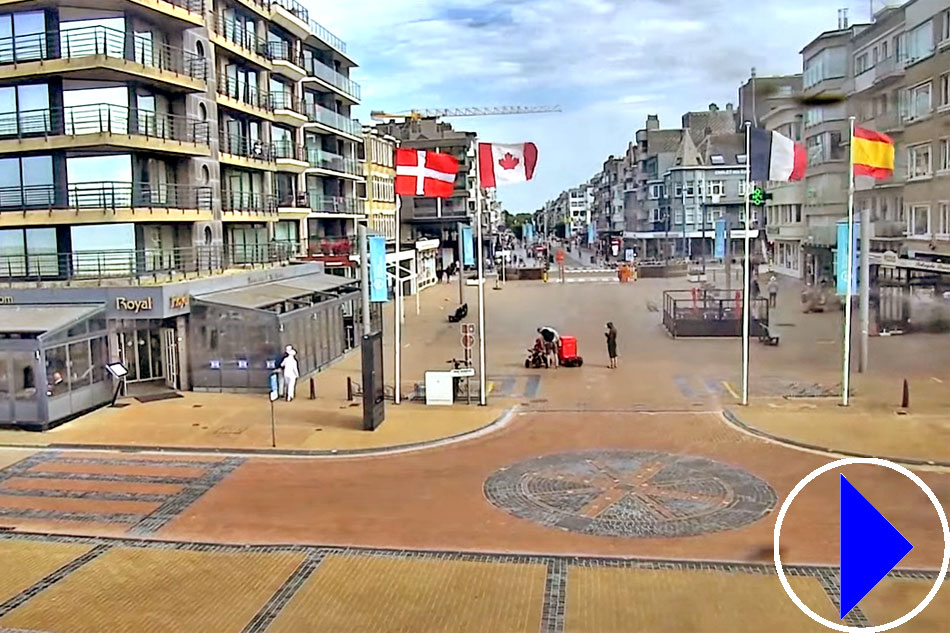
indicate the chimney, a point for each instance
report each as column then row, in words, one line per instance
column 713, row 107
column 653, row 122
column 842, row 19
column 729, row 107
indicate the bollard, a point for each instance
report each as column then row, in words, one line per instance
column 313, row 389
column 905, row 398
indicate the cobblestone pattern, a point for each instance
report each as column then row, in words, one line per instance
column 555, row 586
column 140, row 524
column 53, row 578
column 631, row 493
column 282, row 597
column 555, row 598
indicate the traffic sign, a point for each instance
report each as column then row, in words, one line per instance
column 468, row 340
column 870, row 547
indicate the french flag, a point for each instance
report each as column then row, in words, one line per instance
column 775, row 157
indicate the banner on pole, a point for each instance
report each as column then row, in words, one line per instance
column 527, row 232
column 378, row 289
column 719, row 250
column 841, row 257
column 468, row 249
column 591, row 233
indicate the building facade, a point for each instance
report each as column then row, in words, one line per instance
column 379, row 155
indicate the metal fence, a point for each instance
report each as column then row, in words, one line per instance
column 105, row 195
column 289, row 150
column 236, row 33
column 245, row 201
column 243, row 92
column 294, row 7
column 240, row 145
column 283, row 51
column 699, row 312
column 140, row 263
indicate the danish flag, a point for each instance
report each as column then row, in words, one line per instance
column 422, row 173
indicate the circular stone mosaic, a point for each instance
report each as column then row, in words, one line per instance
column 631, row 493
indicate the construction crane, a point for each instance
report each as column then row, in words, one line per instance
column 415, row 115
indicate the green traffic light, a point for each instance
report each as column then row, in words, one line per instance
column 758, row 197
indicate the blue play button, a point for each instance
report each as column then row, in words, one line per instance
column 870, row 547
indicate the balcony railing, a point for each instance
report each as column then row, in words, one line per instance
column 294, row 7
column 243, row 92
column 284, row 52
column 322, row 34
column 318, row 114
column 322, row 159
column 105, row 195
column 285, row 101
column 333, row 246
column 229, row 29
column 104, row 118
column 334, row 78
column 289, row 150
column 240, row 145
column 248, row 202
column 89, row 41
column 141, row 263
column 334, row 204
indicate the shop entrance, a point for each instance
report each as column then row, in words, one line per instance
column 150, row 352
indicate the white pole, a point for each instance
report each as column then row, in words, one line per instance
column 746, row 308
column 482, row 383
column 846, row 365
column 398, row 316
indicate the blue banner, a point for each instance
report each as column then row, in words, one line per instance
column 468, row 248
column 527, row 231
column 719, row 249
column 591, row 233
column 841, row 257
column 378, row 289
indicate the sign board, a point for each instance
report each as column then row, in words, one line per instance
column 628, row 255
column 274, row 387
column 439, row 388
column 468, row 247
column 719, row 250
column 462, row 372
column 118, row 370
column 841, row 259
column 374, row 396
column 378, row 289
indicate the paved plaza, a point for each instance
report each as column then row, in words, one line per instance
column 582, row 500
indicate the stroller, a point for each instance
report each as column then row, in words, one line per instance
column 460, row 313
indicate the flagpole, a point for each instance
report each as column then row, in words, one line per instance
column 482, row 383
column 846, row 365
column 397, row 375
column 746, row 272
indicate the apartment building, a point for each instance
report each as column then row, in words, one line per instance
column 379, row 156
column 436, row 218
column 147, row 147
column 656, row 153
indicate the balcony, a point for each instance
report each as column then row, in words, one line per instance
column 290, row 157
column 287, row 109
column 882, row 229
column 881, row 74
column 324, row 116
column 286, row 61
column 243, row 206
column 328, row 161
column 141, row 264
column 245, row 97
column 103, row 126
column 291, row 15
column 328, row 38
column 101, row 53
column 241, row 151
column 322, row 203
column 334, row 80
column 234, row 37
column 96, row 202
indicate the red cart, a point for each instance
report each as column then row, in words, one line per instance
column 567, row 353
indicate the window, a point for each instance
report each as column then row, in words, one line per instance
column 715, row 188
column 861, row 63
column 717, row 159
column 918, row 221
column 945, row 27
column 655, row 192
column 798, row 213
column 679, row 190
column 690, row 189
column 943, row 217
column 944, row 161
column 917, row 102
column 884, row 49
column 740, row 158
column 741, row 188
column 943, row 90
column 655, row 215
column 918, row 161
column 920, row 42
column 25, row 33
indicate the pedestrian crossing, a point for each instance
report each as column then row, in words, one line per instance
column 590, row 270
column 591, row 280
column 514, row 386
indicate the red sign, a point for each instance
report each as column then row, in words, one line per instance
column 559, row 257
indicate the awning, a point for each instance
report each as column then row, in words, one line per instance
column 260, row 295
column 37, row 319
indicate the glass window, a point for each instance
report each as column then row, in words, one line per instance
column 41, row 251
column 33, row 108
column 57, row 371
column 8, row 118
column 29, row 30
column 80, row 369
column 918, row 163
column 37, row 180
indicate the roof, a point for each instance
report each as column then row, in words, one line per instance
column 663, row 141
column 37, row 319
column 260, row 295
column 726, row 145
column 706, row 122
column 687, row 155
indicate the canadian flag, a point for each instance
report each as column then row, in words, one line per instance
column 500, row 164
column 422, row 173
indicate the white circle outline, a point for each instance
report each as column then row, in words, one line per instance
column 943, row 523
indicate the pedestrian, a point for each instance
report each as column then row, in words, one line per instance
column 552, row 342
column 773, row 292
column 755, row 288
column 291, row 371
column 611, row 335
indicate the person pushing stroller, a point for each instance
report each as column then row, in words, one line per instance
column 552, row 343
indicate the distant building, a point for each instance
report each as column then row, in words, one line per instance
column 379, row 152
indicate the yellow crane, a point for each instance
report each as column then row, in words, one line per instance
column 415, row 115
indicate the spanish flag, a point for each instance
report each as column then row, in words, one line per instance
column 872, row 154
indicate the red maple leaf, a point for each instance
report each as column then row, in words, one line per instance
column 508, row 162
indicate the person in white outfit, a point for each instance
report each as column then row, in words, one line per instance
column 291, row 371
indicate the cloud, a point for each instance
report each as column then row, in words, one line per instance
column 609, row 63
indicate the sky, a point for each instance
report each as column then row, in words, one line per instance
column 606, row 63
